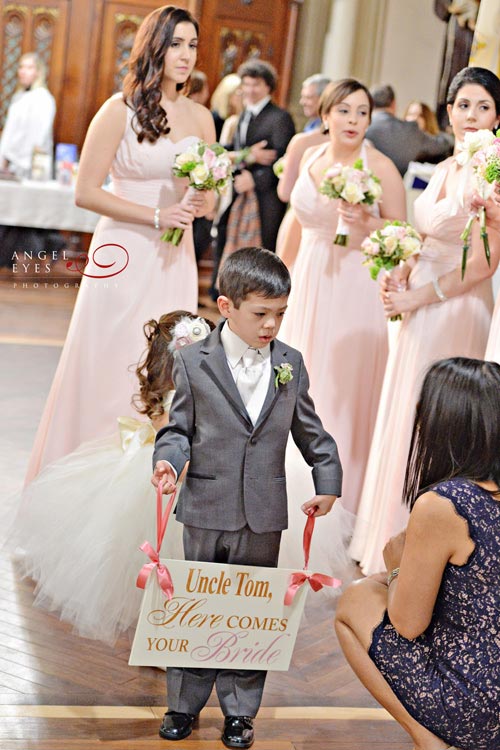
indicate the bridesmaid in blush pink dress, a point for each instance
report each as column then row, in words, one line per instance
column 334, row 315
column 137, row 137
column 444, row 317
column 493, row 222
column 493, row 346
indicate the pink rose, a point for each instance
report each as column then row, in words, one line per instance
column 369, row 247
column 209, row 158
column 334, row 171
column 219, row 173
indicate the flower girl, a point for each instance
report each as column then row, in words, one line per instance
column 81, row 521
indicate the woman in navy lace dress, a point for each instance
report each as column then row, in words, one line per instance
column 424, row 638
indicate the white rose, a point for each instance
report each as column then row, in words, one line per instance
column 375, row 189
column 391, row 230
column 185, row 159
column 410, row 245
column 199, row 174
column 474, row 142
column 352, row 193
column 391, row 244
column 338, row 183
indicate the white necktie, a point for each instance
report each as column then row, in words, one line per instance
column 250, row 374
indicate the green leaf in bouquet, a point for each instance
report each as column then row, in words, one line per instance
column 492, row 171
column 185, row 169
column 217, row 149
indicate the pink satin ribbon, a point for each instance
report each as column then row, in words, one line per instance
column 316, row 580
column 162, row 573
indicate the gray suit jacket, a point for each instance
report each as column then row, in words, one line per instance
column 404, row 142
column 236, row 472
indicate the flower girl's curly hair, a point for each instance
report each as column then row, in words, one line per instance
column 154, row 371
column 142, row 84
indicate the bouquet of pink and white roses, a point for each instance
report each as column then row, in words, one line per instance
column 207, row 168
column 353, row 185
column 482, row 151
column 386, row 248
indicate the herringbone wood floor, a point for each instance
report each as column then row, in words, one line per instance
column 59, row 692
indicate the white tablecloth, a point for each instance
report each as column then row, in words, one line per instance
column 43, row 205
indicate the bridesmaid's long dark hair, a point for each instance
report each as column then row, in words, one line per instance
column 456, row 432
column 142, row 85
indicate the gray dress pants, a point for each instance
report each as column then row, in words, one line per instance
column 239, row 691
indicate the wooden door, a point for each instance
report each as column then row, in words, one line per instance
column 232, row 31
column 32, row 26
column 86, row 45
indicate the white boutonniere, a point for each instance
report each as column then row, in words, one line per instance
column 283, row 374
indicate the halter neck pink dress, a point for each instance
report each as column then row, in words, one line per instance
column 95, row 378
column 457, row 327
column 336, row 320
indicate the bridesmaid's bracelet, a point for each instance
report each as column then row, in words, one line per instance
column 439, row 292
column 392, row 575
column 156, row 220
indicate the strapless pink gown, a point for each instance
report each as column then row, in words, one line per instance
column 336, row 320
column 455, row 328
column 95, row 378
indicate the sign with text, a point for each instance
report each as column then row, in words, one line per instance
column 220, row 616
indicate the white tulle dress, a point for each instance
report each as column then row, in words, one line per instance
column 81, row 523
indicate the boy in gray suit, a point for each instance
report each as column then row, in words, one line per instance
column 239, row 393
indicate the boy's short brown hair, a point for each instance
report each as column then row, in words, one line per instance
column 253, row 270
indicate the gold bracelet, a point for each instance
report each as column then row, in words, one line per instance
column 392, row 575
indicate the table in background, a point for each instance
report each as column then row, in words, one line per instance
column 43, row 205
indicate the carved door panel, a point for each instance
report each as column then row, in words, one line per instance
column 233, row 31
column 32, row 27
column 120, row 21
column 86, row 45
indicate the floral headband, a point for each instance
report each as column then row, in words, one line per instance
column 187, row 331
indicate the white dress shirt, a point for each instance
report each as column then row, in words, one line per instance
column 235, row 348
column 251, row 110
column 28, row 125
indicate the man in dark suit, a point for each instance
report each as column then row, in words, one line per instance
column 400, row 140
column 261, row 120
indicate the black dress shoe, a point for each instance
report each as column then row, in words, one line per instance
column 176, row 726
column 238, row 731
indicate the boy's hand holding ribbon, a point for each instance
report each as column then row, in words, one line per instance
column 316, row 580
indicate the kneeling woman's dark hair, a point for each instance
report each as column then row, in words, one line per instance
column 456, row 432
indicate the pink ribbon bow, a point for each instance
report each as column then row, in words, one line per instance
column 162, row 572
column 316, row 580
